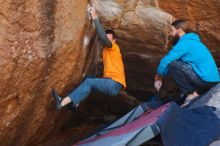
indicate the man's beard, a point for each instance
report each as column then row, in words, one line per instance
column 175, row 39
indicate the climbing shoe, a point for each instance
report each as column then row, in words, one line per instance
column 57, row 100
column 73, row 107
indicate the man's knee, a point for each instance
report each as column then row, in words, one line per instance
column 174, row 64
column 88, row 81
column 173, row 67
column 179, row 66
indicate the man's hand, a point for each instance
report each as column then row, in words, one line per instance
column 93, row 13
column 158, row 84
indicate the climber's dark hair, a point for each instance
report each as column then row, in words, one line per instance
column 110, row 31
column 183, row 24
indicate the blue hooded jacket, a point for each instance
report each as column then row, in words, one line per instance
column 191, row 50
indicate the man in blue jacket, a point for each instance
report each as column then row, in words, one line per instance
column 189, row 62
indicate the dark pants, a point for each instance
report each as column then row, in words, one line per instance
column 103, row 85
column 186, row 78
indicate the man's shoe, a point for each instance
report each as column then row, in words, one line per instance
column 73, row 107
column 190, row 98
column 57, row 100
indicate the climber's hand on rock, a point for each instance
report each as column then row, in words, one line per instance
column 93, row 13
column 158, row 84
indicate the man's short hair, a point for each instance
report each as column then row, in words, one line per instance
column 110, row 31
column 183, row 24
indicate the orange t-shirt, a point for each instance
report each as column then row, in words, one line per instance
column 113, row 64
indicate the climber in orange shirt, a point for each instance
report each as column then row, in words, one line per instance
column 113, row 80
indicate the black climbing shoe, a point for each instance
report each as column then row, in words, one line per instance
column 57, row 100
column 73, row 107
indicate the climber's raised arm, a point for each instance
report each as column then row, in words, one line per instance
column 99, row 29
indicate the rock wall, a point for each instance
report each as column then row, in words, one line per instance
column 48, row 44
column 44, row 44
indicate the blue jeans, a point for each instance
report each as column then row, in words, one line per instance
column 155, row 101
column 103, row 85
column 186, row 78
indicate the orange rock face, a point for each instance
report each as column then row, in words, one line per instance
column 48, row 44
column 44, row 44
